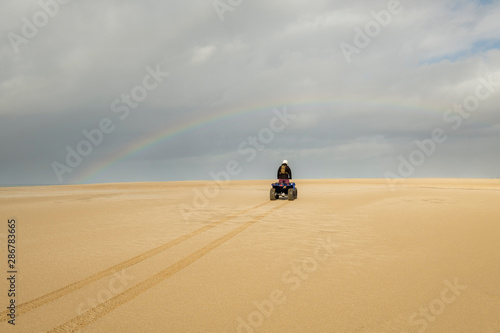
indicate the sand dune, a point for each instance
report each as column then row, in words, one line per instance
column 347, row 256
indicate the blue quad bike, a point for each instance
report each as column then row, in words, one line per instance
column 280, row 189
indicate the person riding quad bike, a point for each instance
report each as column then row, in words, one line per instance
column 284, row 173
column 283, row 187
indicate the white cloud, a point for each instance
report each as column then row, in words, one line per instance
column 202, row 54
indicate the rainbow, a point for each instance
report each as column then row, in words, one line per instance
column 175, row 129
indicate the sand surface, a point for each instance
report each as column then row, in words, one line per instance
column 346, row 256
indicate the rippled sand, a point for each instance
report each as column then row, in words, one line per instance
column 346, row 256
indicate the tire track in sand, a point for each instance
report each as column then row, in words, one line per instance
column 102, row 309
column 39, row 301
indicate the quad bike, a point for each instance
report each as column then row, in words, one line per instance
column 281, row 189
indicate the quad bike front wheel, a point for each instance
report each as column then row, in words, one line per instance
column 272, row 194
column 290, row 194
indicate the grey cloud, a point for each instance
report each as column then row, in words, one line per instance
column 353, row 119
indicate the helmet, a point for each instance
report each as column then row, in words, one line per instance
column 285, row 162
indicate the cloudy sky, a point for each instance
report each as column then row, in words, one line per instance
column 113, row 91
